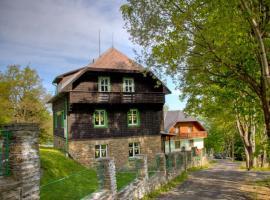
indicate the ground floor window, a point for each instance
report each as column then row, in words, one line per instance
column 101, row 151
column 177, row 144
column 59, row 118
column 191, row 143
column 134, row 149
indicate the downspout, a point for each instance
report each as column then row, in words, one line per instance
column 169, row 144
column 66, row 126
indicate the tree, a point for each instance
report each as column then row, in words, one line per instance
column 226, row 39
column 23, row 99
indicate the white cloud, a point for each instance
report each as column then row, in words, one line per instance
column 53, row 33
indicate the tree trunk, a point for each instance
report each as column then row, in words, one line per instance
column 245, row 134
column 233, row 149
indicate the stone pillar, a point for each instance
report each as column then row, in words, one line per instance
column 142, row 166
column 106, row 175
column 24, row 158
column 161, row 163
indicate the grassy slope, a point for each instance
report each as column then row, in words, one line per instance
column 123, row 179
column 55, row 165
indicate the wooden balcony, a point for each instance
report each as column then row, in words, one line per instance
column 116, row 97
column 197, row 134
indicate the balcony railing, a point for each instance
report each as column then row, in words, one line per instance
column 115, row 97
column 197, row 134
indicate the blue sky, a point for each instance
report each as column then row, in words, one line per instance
column 56, row 36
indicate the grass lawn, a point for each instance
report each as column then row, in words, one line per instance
column 63, row 178
column 173, row 183
column 124, row 178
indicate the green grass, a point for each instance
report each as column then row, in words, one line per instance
column 77, row 181
column 165, row 188
column 212, row 161
column 124, row 178
column 264, row 182
column 173, row 183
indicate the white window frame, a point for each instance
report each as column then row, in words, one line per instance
column 100, row 151
column 133, row 149
column 100, row 85
column 131, row 87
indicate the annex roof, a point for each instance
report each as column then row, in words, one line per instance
column 175, row 116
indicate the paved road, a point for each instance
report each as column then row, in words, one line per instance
column 224, row 180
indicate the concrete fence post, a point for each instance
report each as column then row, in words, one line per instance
column 142, row 166
column 24, row 158
column 106, row 175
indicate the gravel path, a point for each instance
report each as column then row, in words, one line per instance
column 222, row 181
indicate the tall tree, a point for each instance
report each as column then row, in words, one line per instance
column 23, row 99
column 222, row 39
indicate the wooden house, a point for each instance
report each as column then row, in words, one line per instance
column 112, row 107
column 182, row 132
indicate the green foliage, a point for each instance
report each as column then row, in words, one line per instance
column 211, row 48
column 23, row 99
column 61, row 174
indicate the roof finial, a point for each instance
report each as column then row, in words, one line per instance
column 99, row 43
column 112, row 40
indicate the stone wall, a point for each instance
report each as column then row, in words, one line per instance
column 84, row 150
column 144, row 184
column 24, row 164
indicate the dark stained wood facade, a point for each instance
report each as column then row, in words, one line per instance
column 81, row 117
column 83, row 98
column 78, row 97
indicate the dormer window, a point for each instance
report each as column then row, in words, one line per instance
column 128, row 85
column 104, row 84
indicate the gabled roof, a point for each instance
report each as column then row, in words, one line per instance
column 110, row 60
column 114, row 59
column 173, row 117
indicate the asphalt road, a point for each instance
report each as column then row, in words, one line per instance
column 224, row 180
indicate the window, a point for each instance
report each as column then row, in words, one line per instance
column 133, row 117
column 191, row 143
column 176, row 130
column 190, row 129
column 134, row 149
column 104, row 84
column 59, row 118
column 101, row 151
column 177, row 144
column 100, row 118
column 128, row 85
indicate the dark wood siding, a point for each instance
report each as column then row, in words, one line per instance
column 81, row 125
column 89, row 82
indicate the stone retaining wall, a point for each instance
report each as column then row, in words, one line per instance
column 143, row 184
column 24, row 161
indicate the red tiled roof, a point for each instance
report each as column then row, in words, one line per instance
column 114, row 59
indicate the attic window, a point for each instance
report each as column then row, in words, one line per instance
column 104, row 84
column 190, row 129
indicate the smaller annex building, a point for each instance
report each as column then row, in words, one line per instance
column 182, row 132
